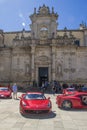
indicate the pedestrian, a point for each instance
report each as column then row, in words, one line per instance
column 53, row 90
column 14, row 89
column 43, row 87
column 46, row 85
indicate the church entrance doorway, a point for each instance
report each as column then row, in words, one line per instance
column 43, row 75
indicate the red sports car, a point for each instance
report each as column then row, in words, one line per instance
column 5, row 92
column 34, row 102
column 76, row 100
column 68, row 91
column 83, row 89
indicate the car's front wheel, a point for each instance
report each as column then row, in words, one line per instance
column 67, row 104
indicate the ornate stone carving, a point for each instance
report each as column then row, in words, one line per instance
column 27, row 69
column 59, row 70
column 44, row 10
column 69, row 70
column 44, row 42
column 42, row 58
column 69, row 53
column 43, row 34
column 17, row 36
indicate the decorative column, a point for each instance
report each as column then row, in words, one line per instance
column 53, row 59
column 32, row 61
column 50, row 77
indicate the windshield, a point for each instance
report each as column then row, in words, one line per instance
column 3, row 89
column 70, row 89
column 35, row 96
column 84, row 89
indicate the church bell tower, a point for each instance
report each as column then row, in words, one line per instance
column 44, row 23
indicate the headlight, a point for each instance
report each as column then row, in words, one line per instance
column 23, row 103
column 49, row 104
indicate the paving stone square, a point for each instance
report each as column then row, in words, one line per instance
column 58, row 119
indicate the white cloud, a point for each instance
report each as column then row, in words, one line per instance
column 22, row 19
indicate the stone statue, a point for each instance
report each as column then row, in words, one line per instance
column 59, row 70
column 34, row 10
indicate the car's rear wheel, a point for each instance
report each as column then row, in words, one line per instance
column 67, row 104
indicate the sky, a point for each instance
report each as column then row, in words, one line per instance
column 14, row 14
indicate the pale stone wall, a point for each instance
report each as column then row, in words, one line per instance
column 79, row 34
column 85, row 37
column 21, row 65
column 81, row 64
column 69, row 63
column 9, row 36
column 5, row 62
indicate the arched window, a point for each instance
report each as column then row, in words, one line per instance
column 43, row 29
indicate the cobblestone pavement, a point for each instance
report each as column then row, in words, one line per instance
column 11, row 119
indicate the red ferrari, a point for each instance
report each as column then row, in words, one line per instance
column 5, row 92
column 76, row 100
column 68, row 91
column 34, row 102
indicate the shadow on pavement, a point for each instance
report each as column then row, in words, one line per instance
column 75, row 109
column 40, row 116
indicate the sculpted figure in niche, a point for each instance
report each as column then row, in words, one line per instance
column 59, row 70
column 26, row 72
column 27, row 69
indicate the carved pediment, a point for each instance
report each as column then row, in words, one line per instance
column 44, row 10
column 42, row 59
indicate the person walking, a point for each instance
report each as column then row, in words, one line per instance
column 14, row 89
column 53, row 88
column 43, row 87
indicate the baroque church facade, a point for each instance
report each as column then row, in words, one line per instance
column 44, row 53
